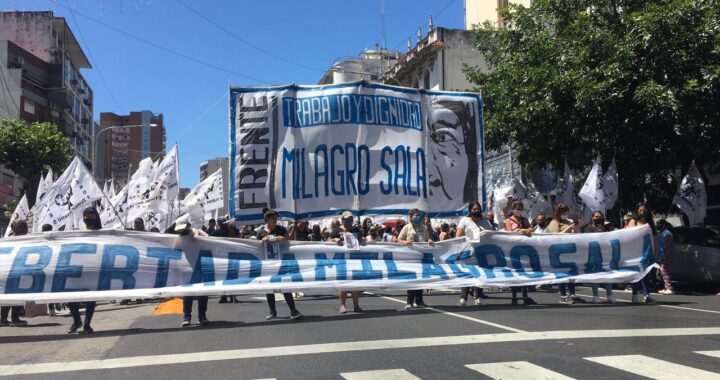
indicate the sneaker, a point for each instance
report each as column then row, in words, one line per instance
column 529, row 301
column 223, row 299
column 478, row 302
column 52, row 312
column 204, row 322
column 185, row 322
column 514, row 301
column 647, row 299
column 564, row 299
column 408, row 307
column 343, row 310
column 74, row 328
column 270, row 316
column 87, row 330
column 612, row 299
column 575, row 298
column 596, row 299
column 298, row 295
column 667, row 292
column 357, row 309
column 4, row 322
column 18, row 322
column 628, row 288
column 421, row 304
column 461, row 302
column 635, row 298
column 296, row 315
column 124, row 302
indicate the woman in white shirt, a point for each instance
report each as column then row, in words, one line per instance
column 470, row 226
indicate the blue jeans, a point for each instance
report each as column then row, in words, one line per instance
column 595, row 289
column 564, row 288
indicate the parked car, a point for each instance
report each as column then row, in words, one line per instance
column 697, row 255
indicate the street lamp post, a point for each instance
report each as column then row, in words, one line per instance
column 97, row 138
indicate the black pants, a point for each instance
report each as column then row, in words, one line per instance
column 415, row 297
column 515, row 290
column 202, row 306
column 75, row 312
column 466, row 290
column 14, row 316
column 288, row 300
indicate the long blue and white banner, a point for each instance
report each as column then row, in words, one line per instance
column 109, row 264
column 311, row 152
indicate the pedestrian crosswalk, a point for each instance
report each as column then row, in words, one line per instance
column 521, row 370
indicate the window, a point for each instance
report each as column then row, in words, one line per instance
column 426, row 80
column 29, row 106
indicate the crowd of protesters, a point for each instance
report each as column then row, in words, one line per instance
column 413, row 229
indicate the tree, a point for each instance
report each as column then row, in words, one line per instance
column 29, row 149
column 638, row 80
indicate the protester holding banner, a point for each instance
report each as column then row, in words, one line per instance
column 665, row 251
column 643, row 216
column 349, row 232
column 19, row 228
column 562, row 224
column 91, row 218
column 415, row 232
column 490, row 217
column 271, row 234
column 470, row 226
column 597, row 224
column 519, row 224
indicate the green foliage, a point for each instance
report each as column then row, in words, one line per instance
column 638, row 80
column 29, row 149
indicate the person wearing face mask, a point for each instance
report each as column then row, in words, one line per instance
column 562, row 224
column 597, row 224
column 519, row 224
column 642, row 217
column 91, row 218
column 664, row 243
column 415, row 232
column 470, row 226
column 539, row 225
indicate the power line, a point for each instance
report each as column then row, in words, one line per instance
column 252, row 45
column 225, row 94
column 94, row 62
column 158, row 46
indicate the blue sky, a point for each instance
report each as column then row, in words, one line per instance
column 299, row 39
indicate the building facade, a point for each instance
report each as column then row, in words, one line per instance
column 211, row 166
column 370, row 65
column 125, row 140
column 477, row 12
column 40, row 80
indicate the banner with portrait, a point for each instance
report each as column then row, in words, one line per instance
column 310, row 152
column 112, row 264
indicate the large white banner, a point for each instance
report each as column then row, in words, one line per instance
column 313, row 151
column 111, row 264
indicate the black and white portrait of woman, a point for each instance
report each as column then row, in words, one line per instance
column 453, row 167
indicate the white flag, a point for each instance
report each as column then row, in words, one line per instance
column 691, row 197
column 138, row 189
column 43, row 187
column 567, row 194
column 536, row 204
column 113, row 216
column 610, row 185
column 21, row 213
column 104, row 202
column 111, row 189
column 205, row 197
column 592, row 192
column 73, row 191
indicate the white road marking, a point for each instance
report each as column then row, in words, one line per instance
column 324, row 348
column 670, row 306
column 517, row 371
column 476, row 320
column 653, row 368
column 385, row 374
column 715, row 354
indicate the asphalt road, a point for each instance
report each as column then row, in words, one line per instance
column 676, row 337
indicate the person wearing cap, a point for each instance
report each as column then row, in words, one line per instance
column 415, row 232
column 272, row 232
column 348, row 227
column 91, row 218
column 224, row 230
